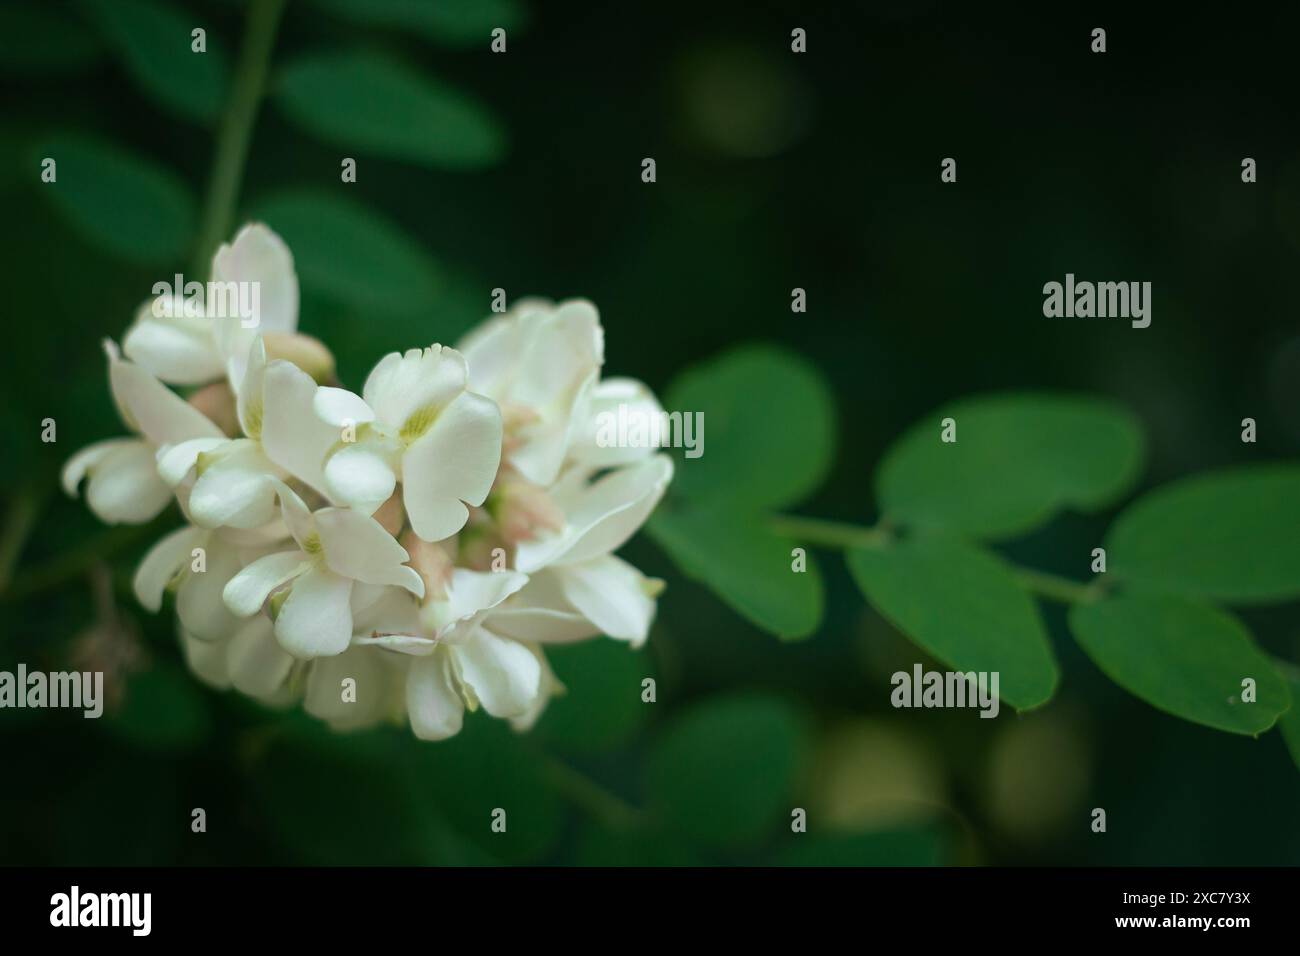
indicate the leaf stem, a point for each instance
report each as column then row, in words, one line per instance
column 830, row 534
column 1057, row 588
column 236, row 128
column 611, row 810
column 836, row 534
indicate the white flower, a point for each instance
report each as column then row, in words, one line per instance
column 337, row 547
column 457, row 660
column 415, row 422
column 538, row 362
column 574, row 571
column 232, row 482
column 194, row 349
column 124, row 485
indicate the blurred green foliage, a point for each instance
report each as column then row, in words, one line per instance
column 820, row 173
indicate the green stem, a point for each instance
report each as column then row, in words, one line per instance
column 611, row 810
column 236, row 129
column 1057, row 588
column 835, row 534
column 20, row 519
column 829, row 534
column 71, row 564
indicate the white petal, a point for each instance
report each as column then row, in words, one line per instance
column 358, row 475
column 259, row 255
column 420, row 381
column 207, row 659
column 199, row 603
column 294, row 511
column 87, row 458
column 503, row 674
column 592, row 444
column 235, row 489
column 292, row 435
column 384, row 610
column 250, row 404
column 411, row 644
column 248, row 590
column 124, row 486
column 471, row 593
column 357, row 546
column 175, row 461
column 374, row 690
column 549, row 687
column 541, row 612
column 315, row 620
column 435, row 708
column 178, row 350
column 613, row 596
column 601, row 516
column 454, row 462
column 338, row 407
column 256, row 663
column 154, row 410
column 160, row 565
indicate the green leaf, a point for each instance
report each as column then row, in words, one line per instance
column 461, row 23
column 1017, row 460
column 723, row 772
column 118, row 200
column 1230, row 536
column 352, row 255
column 1289, row 723
column 769, row 429
column 1184, row 658
column 44, row 40
column 745, row 564
column 372, row 104
column 603, row 708
column 153, row 39
column 964, row 606
column 163, row 710
column 912, row 847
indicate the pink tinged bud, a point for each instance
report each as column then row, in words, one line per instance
column 391, row 515
column 307, row 353
column 523, row 511
column 217, row 402
column 432, row 563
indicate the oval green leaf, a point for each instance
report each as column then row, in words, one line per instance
column 964, row 606
column 1184, row 658
column 769, row 429
column 117, row 200
column 1230, row 536
column 745, row 564
column 352, row 255
column 154, row 41
column 1289, row 723
column 372, row 104
column 1018, row 459
column 723, row 772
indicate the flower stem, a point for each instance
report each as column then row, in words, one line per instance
column 611, row 810
column 236, row 128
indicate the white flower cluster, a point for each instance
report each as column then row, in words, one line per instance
column 425, row 539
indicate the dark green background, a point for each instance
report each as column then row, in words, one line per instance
column 1124, row 166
